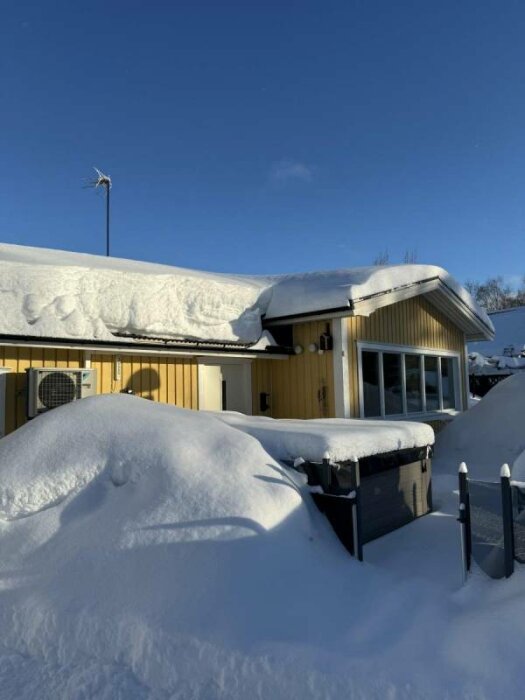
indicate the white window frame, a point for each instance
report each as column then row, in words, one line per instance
column 403, row 350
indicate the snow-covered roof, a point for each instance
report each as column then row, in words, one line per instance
column 64, row 295
column 509, row 325
column 50, row 293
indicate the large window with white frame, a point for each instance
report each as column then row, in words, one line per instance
column 405, row 381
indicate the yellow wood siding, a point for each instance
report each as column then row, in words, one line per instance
column 159, row 378
column 294, row 384
column 415, row 323
column 20, row 359
column 165, row 379
column 301, row 386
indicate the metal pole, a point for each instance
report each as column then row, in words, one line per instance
column 506, row 510
column 107, row 219
column 358, row 512
column 464, row 519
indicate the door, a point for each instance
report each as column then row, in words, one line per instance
column 225, row 387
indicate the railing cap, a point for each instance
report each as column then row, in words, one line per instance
column 505, row 471
column 463, row 468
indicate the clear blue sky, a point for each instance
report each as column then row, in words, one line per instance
column 268, row 136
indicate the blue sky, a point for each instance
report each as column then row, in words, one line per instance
column 268, row 136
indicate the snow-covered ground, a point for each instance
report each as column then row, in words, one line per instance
column 154, row 552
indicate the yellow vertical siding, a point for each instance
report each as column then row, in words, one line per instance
column 294, row 384
column 301, row 386
column 159, row 378
column 18, row 360
column 414, row 322
column 165, row 379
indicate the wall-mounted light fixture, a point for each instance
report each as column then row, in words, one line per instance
column 298, row 349
column 326, row 341
column 312, row 347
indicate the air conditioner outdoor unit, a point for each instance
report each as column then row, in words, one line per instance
column 48, row 387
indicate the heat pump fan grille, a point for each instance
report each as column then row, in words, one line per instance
column 58, row 388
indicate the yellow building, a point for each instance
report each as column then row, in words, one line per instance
column 372, row 342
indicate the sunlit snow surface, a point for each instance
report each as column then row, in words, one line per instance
column 56, row 294
column 158, row 553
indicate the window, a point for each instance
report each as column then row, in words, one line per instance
column 370, row 374
column 393, row 385
column 399, row 382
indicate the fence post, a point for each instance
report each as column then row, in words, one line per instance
column 356, row 513
column 508, row 529
column 464, row 519
column 327, row 473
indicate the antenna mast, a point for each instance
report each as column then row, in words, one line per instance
column 105, row 182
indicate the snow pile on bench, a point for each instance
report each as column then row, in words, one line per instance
column 342, row 439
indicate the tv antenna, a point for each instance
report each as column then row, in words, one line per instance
column 103, row 181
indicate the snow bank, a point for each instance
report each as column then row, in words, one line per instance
column 343, row 439
column 488, row 435
column 50, row 293
column 164, row 554
column 125, row 440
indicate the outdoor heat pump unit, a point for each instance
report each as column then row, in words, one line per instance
column 48, row 387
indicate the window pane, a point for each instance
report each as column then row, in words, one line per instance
column 413, row 383
column 447, row 381
column 370, row 368
column 392, row 378
column 431, row 383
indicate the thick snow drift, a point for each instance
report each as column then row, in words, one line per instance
column 50, row 293
column 149, row 443
column 489, row 434
column 342, row 439
column 164, row 554
column 336, row 289
column 71, row 295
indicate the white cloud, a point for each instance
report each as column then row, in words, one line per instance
column 287, row 170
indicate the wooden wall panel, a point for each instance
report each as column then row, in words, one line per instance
column 160, row 378
column 301, row 386
column 414, row 322
column 18, row 360
column 155, row 377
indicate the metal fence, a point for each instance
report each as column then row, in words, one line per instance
column 487, row 516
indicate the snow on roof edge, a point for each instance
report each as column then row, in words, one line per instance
column 158, row 300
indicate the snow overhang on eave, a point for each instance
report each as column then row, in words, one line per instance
column 440, row 295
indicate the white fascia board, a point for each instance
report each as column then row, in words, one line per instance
column 440, row 296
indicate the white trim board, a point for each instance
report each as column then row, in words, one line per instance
column 340, row 368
